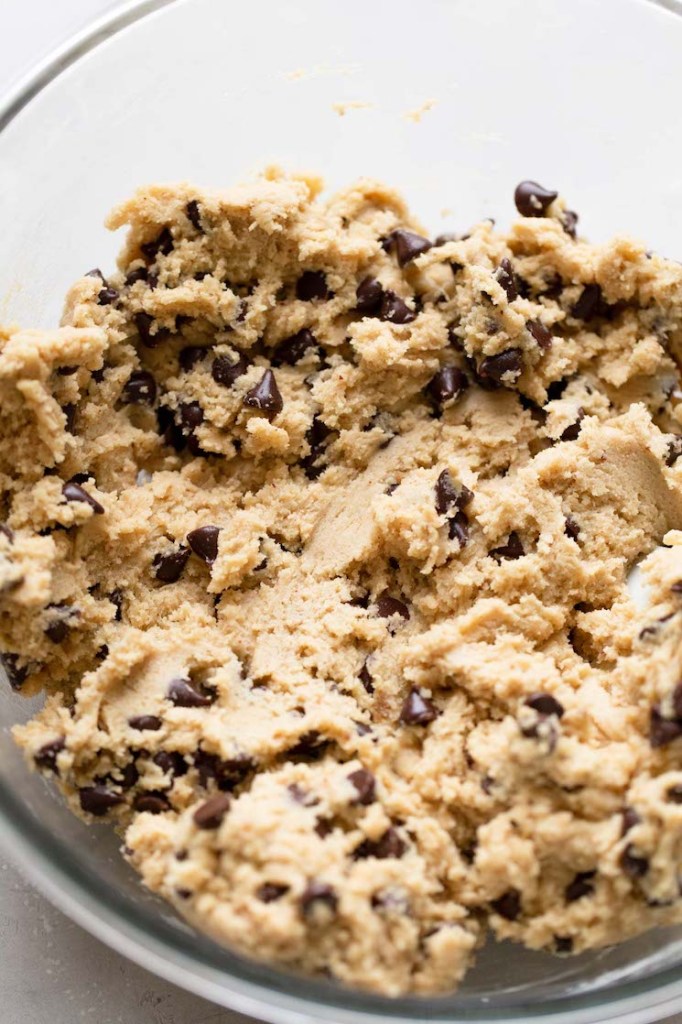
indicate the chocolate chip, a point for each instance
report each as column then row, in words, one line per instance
column 389, row 845
column 545, row 704
column 312, row 284
column 571, row 528
column 394, row 310
column 191, row 414
column 317, row 435
column 540, row 334
column 532, row 200
column 302, row 796
column 311, row 746
column 16, row 673
column 152, row 803
column 318, row 894
column 170, row 762
column 204, row 542
column 225, row 371
column 408, row 245
column 633, row 865
column 129, row 776
column 106, row 296
column 674, row 450
column 96, row 272
column 69, row 411
column 563, row 944
column 508, row 905
column 449, row 494
column 292, row 350
column 144, row 323
column 369, row 295
column 569, row 221
column 674, row 794
column 458, row 529
column 365, row 677
column 270, row 891
column 169, row 567
column 97, row 800
column 582, row 885
column 46, row 756
column 184, row 694
column 572, row 432
column 265, row 396
column 446, row 385
column 676, row 588
column 163, row 243
column 663, row 731
column 589, row 303
column 7, row 532
column 210, row 814
column 417, row 710
column 74, row 492
column 62, row 618
column 504, row 275
column 445, row 237
column 388, row 606
column 67, row 371
column 630, row 819
column 194, row 215
column 190, row 356
column 365, row 784
column 141, row 722
column 677, row 701
column 503, row 368
column 140, row 388
column 139, row 274
column 512, row 549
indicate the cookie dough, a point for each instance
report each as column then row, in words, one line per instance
column 316, row 536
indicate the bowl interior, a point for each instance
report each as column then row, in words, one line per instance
column 451, row 101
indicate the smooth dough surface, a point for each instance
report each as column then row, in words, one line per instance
column 317, row 539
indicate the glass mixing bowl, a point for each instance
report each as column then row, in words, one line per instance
column 583, row 96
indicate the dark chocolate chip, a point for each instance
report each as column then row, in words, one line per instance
column 292, row 350
column 674, row 450
column 365, row 677
column 512, row 549
column 74, row 492
column 508, row 905
column 7, row 532
column 504, row 275
column 265, row 395
column 676, row 588
column 445, row 237
column 67, row 371
column 152, row 803
column 449, row 494
column 318, row 894
column 446, row 385
column 458, row 529
column 96, row 272
column 106, row 296
column 417, row 710
column 563, row 944
column 138, row 274
column 311, row 746
column 98, row 799
column 503, row 368
column 317, row 436
column 395, row 310
column 225, row 370
column 312, row 284
column 204, row 542
column 589, row 303
column 540, row 334
column 163, row 243
column 169, row 567
column 532, row 200
column 572, row 432
column 194, row 215
column 210, row 814
column 191, row 414
column 184, row 694
column 144, row 322
column 129, row 776
column 369, row 295
column 388, row 606
column 545, row 704
column 302, row 796
column 365, row 784
column 69, row 411
column 663, row 731
column 190, row 356
column 170, row 762
column 140, row 388
column 569, row 220
column 141, row 722
column 46, row 756
column 16, row 673
column 571, row 528
column 632, row 864
column 408, row 245
column 674, row 794
column 677, row 701
column 62, row 618
column 582, row 885
column 389, row 845
column 270, row 891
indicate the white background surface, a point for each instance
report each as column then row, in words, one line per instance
column 51, row 971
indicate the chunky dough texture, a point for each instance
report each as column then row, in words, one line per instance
column 397, row 692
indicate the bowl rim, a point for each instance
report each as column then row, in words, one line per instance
column 244, row 986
